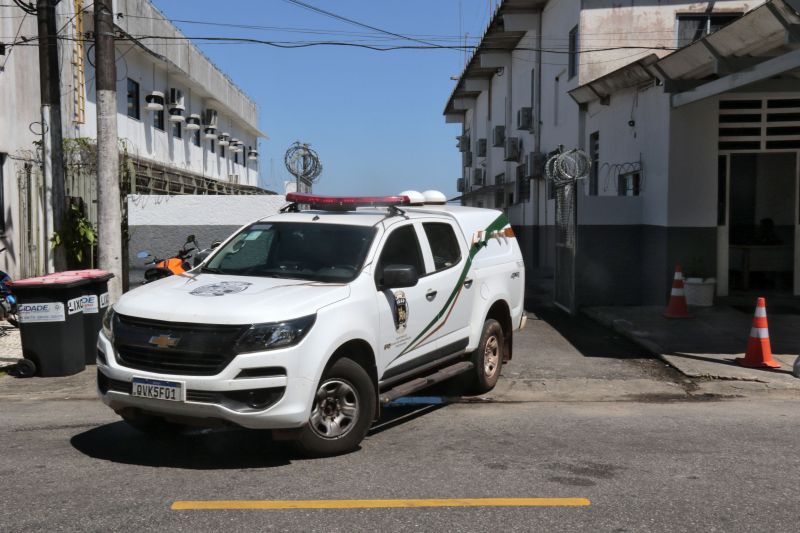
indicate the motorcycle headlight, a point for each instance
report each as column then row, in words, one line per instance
column 108, row 324
column 274, row 335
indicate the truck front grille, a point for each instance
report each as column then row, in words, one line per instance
column 196, row 349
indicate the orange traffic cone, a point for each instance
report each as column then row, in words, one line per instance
column 677, row 299
column 759, row 353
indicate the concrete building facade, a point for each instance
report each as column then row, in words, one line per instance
column 205, row 133
column 615, row 80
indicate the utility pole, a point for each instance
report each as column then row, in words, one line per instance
column 52, row 140
column 109, row 209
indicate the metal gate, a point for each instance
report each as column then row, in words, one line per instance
column 564, row 169
column 30, row 255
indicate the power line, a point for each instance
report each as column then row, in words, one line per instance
column 11, row 49
column 375, row 47
column 351, row 21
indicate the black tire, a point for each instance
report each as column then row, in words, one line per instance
column 25, row 368
column 151, row 425
column 488, row 358
column 346, row 387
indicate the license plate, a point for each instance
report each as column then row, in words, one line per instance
column 157, row 389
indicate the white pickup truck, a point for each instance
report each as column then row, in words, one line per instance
column 307, row 321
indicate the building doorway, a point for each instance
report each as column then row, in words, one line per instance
column 762, row 222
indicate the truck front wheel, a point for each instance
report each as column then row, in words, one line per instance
column 488, row 358
column 343, row 410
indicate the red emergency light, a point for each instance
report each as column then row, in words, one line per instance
column 346, row 203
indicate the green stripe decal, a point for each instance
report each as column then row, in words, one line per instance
column 499, row 223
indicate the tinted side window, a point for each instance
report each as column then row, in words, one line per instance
column 444, row 244
column 401, row 248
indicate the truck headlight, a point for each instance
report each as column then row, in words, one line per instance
column 108, row 320
column 274, row 335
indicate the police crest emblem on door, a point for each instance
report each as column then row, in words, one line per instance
column 400, row 311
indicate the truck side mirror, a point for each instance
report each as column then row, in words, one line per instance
column 215, row 244
column 399, row 276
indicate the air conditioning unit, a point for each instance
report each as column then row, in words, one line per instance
column 176, row 107
column 154, row 101
column 498, row 136
column 536, row 161
column 193, row 122
column 511, row 152
column 210, row 118
column 467, row 159
column 477, row 177
column 525, row 118
column 463, row 143
column 460, row 185
column 481, row 148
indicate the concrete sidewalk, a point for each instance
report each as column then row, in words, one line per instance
column 706, row 345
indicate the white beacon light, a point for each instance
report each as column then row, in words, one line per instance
column 414, row 197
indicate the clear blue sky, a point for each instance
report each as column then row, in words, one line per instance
column 374, row 117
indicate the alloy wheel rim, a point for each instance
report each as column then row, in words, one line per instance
column 335, row 409
column 491, row 356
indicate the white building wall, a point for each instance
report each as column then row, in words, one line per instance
column 145, row 140
column 623, row 146
column 693, row 164
column 626, row 25
column 20, row 116
column 203, row 85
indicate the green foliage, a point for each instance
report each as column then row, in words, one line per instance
column 79, row 235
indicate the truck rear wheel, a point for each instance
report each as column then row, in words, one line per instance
column 343, row 410
column 488, row 358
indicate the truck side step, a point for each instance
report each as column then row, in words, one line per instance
column 420, row 383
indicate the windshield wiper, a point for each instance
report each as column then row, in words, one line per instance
column 210, row 270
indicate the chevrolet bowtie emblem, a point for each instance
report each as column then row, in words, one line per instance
column 164, row 341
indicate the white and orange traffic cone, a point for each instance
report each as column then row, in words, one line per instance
column 759, row 352
column 677, row 307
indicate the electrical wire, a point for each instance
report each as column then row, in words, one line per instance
column 27, row 7
column 351, row 21
column 11, row 48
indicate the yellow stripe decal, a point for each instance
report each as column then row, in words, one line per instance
column 377, row 504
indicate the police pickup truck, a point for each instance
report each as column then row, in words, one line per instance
column 306, row 322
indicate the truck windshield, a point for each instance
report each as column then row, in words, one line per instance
column 301, row 250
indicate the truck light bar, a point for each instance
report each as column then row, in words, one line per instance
column 346, row 203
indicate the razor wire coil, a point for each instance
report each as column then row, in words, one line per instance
column 303, row 163
column 565, row 168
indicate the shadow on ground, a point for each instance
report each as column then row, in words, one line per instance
column 587, row 336
column 215, row 449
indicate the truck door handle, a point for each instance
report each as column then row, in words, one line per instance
column 430, row 295
column 467, row 283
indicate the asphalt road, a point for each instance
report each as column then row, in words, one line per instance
column 678, row 466
column 579, row 413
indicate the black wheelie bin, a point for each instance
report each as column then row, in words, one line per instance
column 51, row 322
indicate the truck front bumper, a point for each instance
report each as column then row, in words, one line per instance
column 210, row 397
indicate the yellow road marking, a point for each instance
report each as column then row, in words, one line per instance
column 378, row 504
